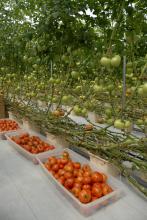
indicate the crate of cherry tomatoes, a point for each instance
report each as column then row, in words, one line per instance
column 86, row 187
column 29, row 143
column 7, row 125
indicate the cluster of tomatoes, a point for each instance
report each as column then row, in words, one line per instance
column 8, row 125
column 84, row 183
column 33, row 144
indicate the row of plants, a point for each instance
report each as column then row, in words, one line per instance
column 57, row 61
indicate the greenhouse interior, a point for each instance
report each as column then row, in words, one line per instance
column 73, row 109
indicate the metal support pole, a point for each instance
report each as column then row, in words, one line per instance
column 124, row 85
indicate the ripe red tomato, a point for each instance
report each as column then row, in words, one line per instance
column 99, row 185
column 96, row 191
column 68, row 168
column 61, row 172
column 64, row 161
column 85, row 196
column 52, row 160
column 77, row 165
column 87, row 173
column 86, row 167
column 76, row 191
column 68, row 175
column 55, row 167
column 86, row 186
column 79, row 179
column 69, row 183
column 80, row 173
column 86, row 180
column 106, row 189
column 104, row 177
column 56, row 176
column 75, row 172
column 61, row 179
column 78, row 185
column 96, row 177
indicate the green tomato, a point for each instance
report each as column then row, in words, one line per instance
column 129, row 64
column 84, row 111
column 57, row 81
column 129, row 70
column 65, row 58
column 105, row 62
column 140, row 91
column 110, row 87
column 108, row 111
column 119, row 124
column 2, row 69
column 75, row 74
column 66, row 98
column 77, row 109
column 52, row 80
column 144, row 87
column 35, row 66
column 115, row 61
column 128, row 141
column 110, row 121
column 78, row 88
column 97, row 88
column 127, row 124
column 139, row 122
column 25, row 58
column 55, row 99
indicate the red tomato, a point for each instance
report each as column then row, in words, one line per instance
column 86, row 186
column 76, row 191
column 64, row 161
column 104, row 177
column 67, row 175
column 56, row 175
column 96, row 177
column 52, row 160
column 80, row 173
column 106, row 189
column 96, row 191
column 55, row 167
column 61, row 172
column 68, row 168
column 85, row 196
column 61, row 179
column 99, row 185
column 79, row 179
column 87, row 173
column 77, row 165
column 75, row 172
column 86, row 179
column 69, row 183
column 78, row 185
column 86, row 167
column 61, row 166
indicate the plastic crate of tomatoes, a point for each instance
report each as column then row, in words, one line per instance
column 86, row 187
column 7, row 125
column 29, row 143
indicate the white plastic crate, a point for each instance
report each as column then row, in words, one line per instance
column 20, row 149
column 85, row 209
column 2, row 133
